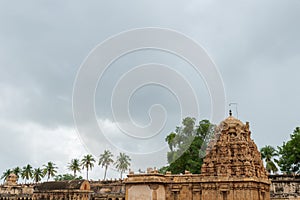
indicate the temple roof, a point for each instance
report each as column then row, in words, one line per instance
column 233, row 120
column 64, row 185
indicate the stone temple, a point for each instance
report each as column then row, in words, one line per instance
column 232, row 170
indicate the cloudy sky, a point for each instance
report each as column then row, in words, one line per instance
column 254, row 44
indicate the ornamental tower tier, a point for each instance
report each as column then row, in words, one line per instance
column 233, row 153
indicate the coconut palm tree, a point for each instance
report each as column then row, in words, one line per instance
column 74, row 166
column 122, row 163
column 170, row 139
column 17, row 171
column 26, row 173
column 267, row 153
column 38, row 174
column 105, row 160
column 87, row 162
column 50, row 170
column 6, row 174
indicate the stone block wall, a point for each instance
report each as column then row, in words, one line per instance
column 285, row 187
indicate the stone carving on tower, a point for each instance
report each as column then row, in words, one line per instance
column 232, row 152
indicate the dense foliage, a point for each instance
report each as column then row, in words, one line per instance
column 289, row 154
column 187, row 146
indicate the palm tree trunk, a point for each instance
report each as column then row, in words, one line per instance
column 87, row 173
column 105, row 172
column 121, row 174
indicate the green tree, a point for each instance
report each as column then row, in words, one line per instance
column 37, row 175
column 88, row 163
column 6, row 174
column 170, row 139
column 74, row 166
column 105, row 160
column 289, row 154
column 66, row 177
column 49, row 170
column 26, row 173
column 187, row 146
column 17, row 171
column 267, row 153
column 122, row 163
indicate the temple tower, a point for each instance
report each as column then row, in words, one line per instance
column 234, row 163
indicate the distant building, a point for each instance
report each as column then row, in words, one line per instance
column 75, row 190
column 11, row 190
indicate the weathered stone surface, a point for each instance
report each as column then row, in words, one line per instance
column 13, row 191
column 75, row 189
column 11, row 180
column 232, row 153
column 285, row 187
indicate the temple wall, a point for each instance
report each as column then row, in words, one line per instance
column 61, row 195
column 142, row 192
column 146, row 192
column 16, row 192
column 192, row 187
column 285, row 187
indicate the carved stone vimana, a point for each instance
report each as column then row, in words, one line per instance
column 232, row 153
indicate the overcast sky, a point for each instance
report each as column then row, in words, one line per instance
column 254, row 44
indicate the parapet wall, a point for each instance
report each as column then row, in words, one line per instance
column 285, row 187
column 194, row 186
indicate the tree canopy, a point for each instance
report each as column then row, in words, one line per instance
column 289, row 154
column 122, row 163
column 6, row 174
column 74, row 166
column 87, row 162
column 187, row 146
column 268, row 153
column 37, row 174
column 50, row 170
column 105, row 160
column 26, row 172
